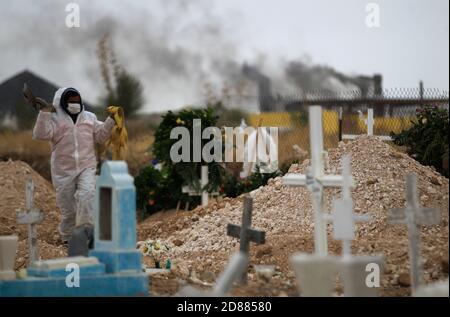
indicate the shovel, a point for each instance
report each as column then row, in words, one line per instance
column 36, row 102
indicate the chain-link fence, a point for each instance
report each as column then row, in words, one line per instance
column 345, row 114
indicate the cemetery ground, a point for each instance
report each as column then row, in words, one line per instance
column 201, row 249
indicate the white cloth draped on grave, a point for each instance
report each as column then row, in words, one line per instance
column 261, row 149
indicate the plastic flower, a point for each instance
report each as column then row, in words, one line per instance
column 154, row 249
column 143, row 247
column 157, row 249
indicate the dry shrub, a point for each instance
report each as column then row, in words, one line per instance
column 139, row 153
column 21, row 146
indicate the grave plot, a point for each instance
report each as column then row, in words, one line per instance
column 31, row 217
column 414, row 216
column 112, row 268
column 245, row 233
column 316, row 273
column 13, row 179
column 202, row 248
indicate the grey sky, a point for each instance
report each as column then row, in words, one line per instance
column 174, row 47
column 411, row 44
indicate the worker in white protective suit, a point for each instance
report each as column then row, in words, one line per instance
column 72, row 132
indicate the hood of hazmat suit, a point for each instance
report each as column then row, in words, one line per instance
column 73, row 158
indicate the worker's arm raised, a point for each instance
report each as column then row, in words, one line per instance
column 103, row 130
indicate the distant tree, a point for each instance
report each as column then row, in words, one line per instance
column 128, row 93
column 123, row 89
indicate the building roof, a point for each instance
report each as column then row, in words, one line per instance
column 11, row 90
column 11, row 95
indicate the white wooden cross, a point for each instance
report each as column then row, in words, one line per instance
column 369, row 121
column 315, row 179
column 236, row 267
column 352, row 269
column 204, row 180
column 342, row 217
column 31, row 217
column 414, row 216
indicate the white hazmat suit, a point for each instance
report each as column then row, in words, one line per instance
column 73, row 160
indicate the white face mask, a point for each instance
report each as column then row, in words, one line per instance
column 74, row 108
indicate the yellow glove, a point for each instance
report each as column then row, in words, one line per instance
column 119, row 134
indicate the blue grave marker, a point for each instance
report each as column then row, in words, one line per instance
column 115, row 219
column 113, row 267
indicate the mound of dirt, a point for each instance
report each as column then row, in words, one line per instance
column 200, row 243
column 201, row 249
column 13, row 178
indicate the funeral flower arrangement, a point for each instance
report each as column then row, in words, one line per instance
column 159, row 185
column 155, row 249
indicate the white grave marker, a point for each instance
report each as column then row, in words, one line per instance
column 315, row 179
column 361, row 275
column 8, row 249
column 414, row 216
column 204, row 180
column 235, row 269
column 369, row 122
column 31, row 217
column 353, row 269
column 315, row 274
column 342, row 217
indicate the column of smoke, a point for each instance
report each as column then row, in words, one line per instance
column 173, row 72
column 310, row 80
